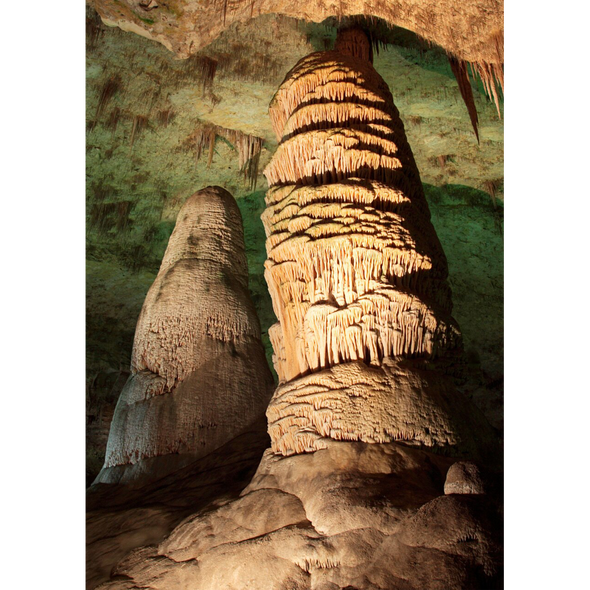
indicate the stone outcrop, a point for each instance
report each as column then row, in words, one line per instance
column 365, row 334
column 199, row 373
column 472, row 31
column 355, row 270
column 352, row 515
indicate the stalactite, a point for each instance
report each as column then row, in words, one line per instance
column 355, row 270
column 201, row 69
column 114, row 118
column 460, row 71
column 108, row 90
column 107, row 215
column 165, row 116
column 140, row 122
column 94, row 29
column 492, row 76
column 247, row 146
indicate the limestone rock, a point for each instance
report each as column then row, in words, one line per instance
column 464, row 477
column 352, row 515
column 400, row 400
column 471, row 31
column 358, row 281
column 354, row 266
column 356, row 273
column 199, row 374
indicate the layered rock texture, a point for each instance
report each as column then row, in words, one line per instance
column 472, row 30
column 352, row 515
column 355, row 270
column 199, row 375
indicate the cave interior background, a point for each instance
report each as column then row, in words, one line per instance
column 160, row 128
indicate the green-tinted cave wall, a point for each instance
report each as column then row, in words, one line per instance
column 141, row 167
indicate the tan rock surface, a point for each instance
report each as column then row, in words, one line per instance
column 356, row 273
column 122, row 519
column 354, row 268
column 472, row 30
column 371, row 517
column 404, row 400
column 350, row 514
column 199, row 374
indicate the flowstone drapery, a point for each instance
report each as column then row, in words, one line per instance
column 355, row 269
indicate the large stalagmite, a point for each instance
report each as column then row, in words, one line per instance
column 355, row 269
column 199, row 373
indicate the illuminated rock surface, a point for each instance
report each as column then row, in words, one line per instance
column 199, row 375
column 356, row 273
column 351, row 515
column 134, row 192
column 348, row 516
column 472, row 30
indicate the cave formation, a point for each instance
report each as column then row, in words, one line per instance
column 355, row 270
column 199, row 377
column 379, row 472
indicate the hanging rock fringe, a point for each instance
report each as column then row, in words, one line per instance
column 140, row 122
column 247, row 146
column 105, row 216
column 492, row 76
column 460, row 71
column 109, row 89
column 201, row 69
column 94, row 29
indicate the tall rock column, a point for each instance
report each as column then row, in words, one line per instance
column 356, row 272
column 199, row 373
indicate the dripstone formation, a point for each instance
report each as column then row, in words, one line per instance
column 355, row 270
column 199, row 373
column 358, row 281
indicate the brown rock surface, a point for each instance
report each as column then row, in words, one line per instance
column 370, row 517
column 122, row 519
column 199, row 374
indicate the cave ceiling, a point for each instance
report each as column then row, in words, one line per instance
column 177, row 97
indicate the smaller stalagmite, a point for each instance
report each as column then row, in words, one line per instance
column 199, row 373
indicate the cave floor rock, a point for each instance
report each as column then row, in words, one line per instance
column 353, row 515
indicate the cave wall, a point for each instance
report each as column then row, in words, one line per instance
column 149, row 112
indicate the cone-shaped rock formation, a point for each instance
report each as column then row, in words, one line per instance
column 199, row 373
column 355, row 269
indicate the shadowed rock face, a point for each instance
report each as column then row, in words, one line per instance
column 355, row 270
column 352, row 515
column 199, row 374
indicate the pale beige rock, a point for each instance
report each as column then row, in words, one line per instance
column 352, row 485
column 357, row 279
column 354, row 267
column 199, row 373
column 471, row 30
column 464, row 477
column 247, row 517
column 357, row 276
column 399, row 400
